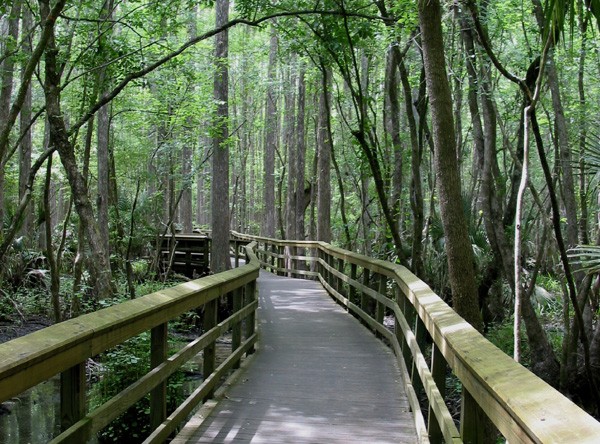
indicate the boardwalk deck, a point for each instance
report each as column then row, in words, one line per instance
column 317, row 377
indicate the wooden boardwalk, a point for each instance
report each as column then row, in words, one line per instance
column 317, row 377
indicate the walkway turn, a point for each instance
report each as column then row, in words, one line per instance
column 318, row 376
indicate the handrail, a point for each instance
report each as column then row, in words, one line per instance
column 522, row 406
column 65, row 347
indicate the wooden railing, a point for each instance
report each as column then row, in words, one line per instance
column 520, row 405
column 65, row 347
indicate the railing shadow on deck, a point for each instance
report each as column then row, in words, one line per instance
column 65, row 347
column 522, row 407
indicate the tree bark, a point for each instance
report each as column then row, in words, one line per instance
column 324, row 143
column 103, row 131
column 187, row 154
column 289, row 135
column 26, row 131
column 458, row 246
column 59, row 139
column 219, row 257
column 6, row 84
column 300, row 154
column 50, row 256
column 416, row 190
column 392, row 124
column 268, row 229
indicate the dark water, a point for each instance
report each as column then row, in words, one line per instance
column 33, row 416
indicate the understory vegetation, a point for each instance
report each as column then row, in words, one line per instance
column 457, row 138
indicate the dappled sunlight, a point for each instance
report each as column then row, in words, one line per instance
column 318, row 377
column 274, row 421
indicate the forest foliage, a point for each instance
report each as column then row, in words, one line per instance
column 344, row 122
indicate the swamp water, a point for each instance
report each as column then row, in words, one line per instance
column 33, row 416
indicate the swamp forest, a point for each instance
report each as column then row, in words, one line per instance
column 458, row 138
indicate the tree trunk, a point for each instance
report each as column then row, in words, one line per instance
column 324, row 166
column 103, row 130
column 50, row 257
column 289, row 135
column 458, row 246
column 219, row 257
column 26, row 131
column 416, row 191
column 300, row 154
column 185, row 206
column 270, row 141
column 6, row 80
column 58, row 138
column 392, row 125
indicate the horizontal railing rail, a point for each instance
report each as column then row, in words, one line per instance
column 65, row 347
column 428, row 338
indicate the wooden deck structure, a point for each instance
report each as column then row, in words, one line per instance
column 318, row 376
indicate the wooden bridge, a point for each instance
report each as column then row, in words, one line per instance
column 317, row 374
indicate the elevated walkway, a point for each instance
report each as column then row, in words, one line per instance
column 317, row 377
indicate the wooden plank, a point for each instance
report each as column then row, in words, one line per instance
column 158, row 354
column 72, row 396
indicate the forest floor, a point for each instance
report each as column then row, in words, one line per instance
column 9, row 329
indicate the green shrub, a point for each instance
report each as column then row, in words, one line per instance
column 121, row 367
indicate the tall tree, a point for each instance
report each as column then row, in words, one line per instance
column 6, row 86
column 187, row 154
column 289, row 138
column 458, row 246
column 59, row 139
column 103, row 127
column 25, row 122
column 219, row 257
column 270, row 140
column 324, row 144
column 301, row 153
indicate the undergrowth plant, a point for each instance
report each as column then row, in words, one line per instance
column 121, row 367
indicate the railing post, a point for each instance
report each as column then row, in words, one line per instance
column 209, row 321
column 250, row 297
column 72, row 396
column 236, row 248
column 380, row 308
column 273, row 259
column 328, row 273
column 281, row 260
column 472, row 420
column 420, row 335
column 364, row 299
column 339, row 281
column 352, row 290
column 301, row 263
column 158, row 354
column 438, row 372
column 236, row 330
column 409, row 314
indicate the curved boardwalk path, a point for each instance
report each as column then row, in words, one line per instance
column 318, row 376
